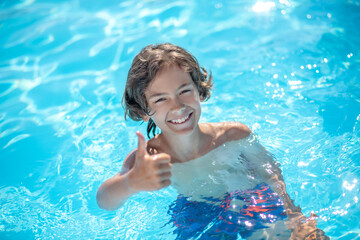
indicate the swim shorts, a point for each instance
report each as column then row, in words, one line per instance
column 240, row 212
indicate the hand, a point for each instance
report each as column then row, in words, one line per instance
column 150, row 172
column 305, row 228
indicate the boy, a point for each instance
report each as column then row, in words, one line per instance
column 165, row 86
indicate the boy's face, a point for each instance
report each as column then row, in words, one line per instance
column 174, row 101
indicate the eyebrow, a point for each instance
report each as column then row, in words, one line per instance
column 161, row 94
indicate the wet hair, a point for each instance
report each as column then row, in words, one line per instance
column 146, row 65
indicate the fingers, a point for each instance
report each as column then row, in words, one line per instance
column 141, row 150
column 164, row 167
column 165, row 183
column 164, row 176
column 163, row 170
column 163, row 163
column 162, row 158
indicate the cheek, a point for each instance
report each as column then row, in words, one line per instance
column 158, row 111
column 194, row 97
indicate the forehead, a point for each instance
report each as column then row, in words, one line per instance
column 169, row 78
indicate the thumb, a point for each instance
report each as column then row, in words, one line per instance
column 141, row 150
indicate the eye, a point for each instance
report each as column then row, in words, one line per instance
column 185, row 91
column 160, row 100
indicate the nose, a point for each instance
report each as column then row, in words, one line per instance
column 177, row 106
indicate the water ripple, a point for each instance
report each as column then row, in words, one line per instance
column 290, row 73
column 16, row 139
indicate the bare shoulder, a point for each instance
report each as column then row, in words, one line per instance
column 235, row 130
column 228, row 131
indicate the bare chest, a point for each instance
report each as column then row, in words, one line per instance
column 222, row 170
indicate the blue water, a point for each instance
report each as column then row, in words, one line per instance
column 288, row 69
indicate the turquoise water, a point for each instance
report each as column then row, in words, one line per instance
column 288, row 69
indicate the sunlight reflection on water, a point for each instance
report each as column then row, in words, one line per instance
column 287, row 69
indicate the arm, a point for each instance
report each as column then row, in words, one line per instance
column 116, row 190
column 141, row 172
column 302, row 227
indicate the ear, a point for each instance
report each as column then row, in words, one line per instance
column 145, row 118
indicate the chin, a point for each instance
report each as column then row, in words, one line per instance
column 184, row 132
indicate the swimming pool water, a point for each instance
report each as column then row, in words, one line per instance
column 288, row 69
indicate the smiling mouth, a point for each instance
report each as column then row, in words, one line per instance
column 181, row 120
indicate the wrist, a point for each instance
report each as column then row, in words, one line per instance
column 129, row 182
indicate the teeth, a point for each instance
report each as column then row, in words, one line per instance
column 181, row 120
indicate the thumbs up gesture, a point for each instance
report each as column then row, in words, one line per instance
column 150, row 172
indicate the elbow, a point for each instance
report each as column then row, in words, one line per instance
column 104, row 202
column 100, row 199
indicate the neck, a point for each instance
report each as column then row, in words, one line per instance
column 186, row 147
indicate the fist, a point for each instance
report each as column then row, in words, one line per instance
column 150, row 172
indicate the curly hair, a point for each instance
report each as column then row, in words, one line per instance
column 145, row 66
